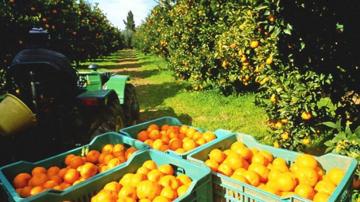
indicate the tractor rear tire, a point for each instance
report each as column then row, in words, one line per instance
column 112, row 119
column 131, row 105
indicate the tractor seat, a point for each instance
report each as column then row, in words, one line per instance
column 34, row 59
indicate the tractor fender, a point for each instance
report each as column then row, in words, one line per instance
column 103, row 97
column 118, row 83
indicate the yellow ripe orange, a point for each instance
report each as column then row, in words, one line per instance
column 217, row 155
column 239, row 178
column 182, row 190
column 158, row 144
column 126, row 179
column 62, row 172
column 88, row 170
column 38, row 170
column 108, row 148
column 235, row 161
column 36, row 190
column 169, row 193
column 271, row 187
column 183, row 129
column 305, row 191
column 245, row 152
column 240, row 171
column 190, row 132
column 212, row 164
column 273, row 175
column 225, row 169
column 200, row 141
column 154, row 134
column 165, row 139
column 228, row 152
column 189, row 145
column 149, row 142
column 325, row 186
column 71, row 176
column 254, row 44
column 279, row 163
column 164, row 148
column 166, row 169
column 150, row 164
column 261, row 170
column 161, row 199
column 93, row 156
column 143, row 170
column 50, row 184
column 118, row 150
column 153, row 127
column 107, row 158
column 306, row 160
column 76, row 161
column 267, row 155
column 254, row 150
column 260, row 159
column 252, row 177
column 129, row 152
column 184, row 179
column 136, row 179
column 335, row 175
column 175, row 144
column 181, row 136
column 143, row 200
column 180, row 151
column 148, row 189
column 38, row 179
column 169, row 181
column 209, row 136
column 286, row 182
column 142, row 136
column 127, row 191
column 236, row 146
column 321, row 197
column 21, row 180
column 113, row 186
column 113, row 163
column 196, row 135
column 154, row 175
column 307, row 176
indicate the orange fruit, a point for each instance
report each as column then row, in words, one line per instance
column 26, row 191
column 180, row 151
column 259, row 159
column 271, row 188
column 164, row 148
column 169, row 193
column 64, row 185
column 183, row 179
column 68, row 159
column 144, row 200
column 190, row 132
column 153, row 127
column 239, row 178
column 286, row 182
column 92, row 156
column 200, row 141
column 62, row 172
column 196, row 135
column 325, row 186
column 245, row 152
column 254, row 150
column 305, row 191
column 166, row 169
column 127, row 191
column 56, row 178
column 118, row 150
column 252, row 177
column 169, row 181
column 165, row 127
column 36, row 190
column 336, row 175
column 105, row 196
column 321, row 197
column 209, row 136
column 154, row 134
column 38, row 170
column 113, row 163
column 261, row 170
column 50, row 184
column 126, row 179
column 182, row 190
column 161, row 199
column 217, row 155
column 148, row 189
column 78, row 181
column 235, row 161
column 54, row 170
column 273, row 175
column 154, row 175
column 240, row 171
column 136, row 179
column 165, row 139
column 280, row 164
column 88, row 170
column 108, row 148
column 21, row 180
column 129, row 152
column 225, row 169
column 306, row 160
column 150, row 164
column 157, row 144
column 143, row 170
column 112, row 186
column 189, row 145
column 175, row 144
column 71, row 176
column 307, row 176
column 76, row 161
column 212, row 164
column 38, row 179
column 142, row 136
column 267, row 155
column 149, row 142
column 183, row 129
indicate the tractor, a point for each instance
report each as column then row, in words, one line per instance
column 50, row 107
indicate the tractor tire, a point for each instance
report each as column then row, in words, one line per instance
column 131, row 106
column 111, row 119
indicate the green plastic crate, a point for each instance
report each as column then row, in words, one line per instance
column 132, row 132
column 8, row 172
column 228, row 189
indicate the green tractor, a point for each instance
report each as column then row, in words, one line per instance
column 49, row 107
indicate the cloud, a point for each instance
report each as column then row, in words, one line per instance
column 117, row 10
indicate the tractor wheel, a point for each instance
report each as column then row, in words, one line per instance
column 131, row 105
column 112, row 119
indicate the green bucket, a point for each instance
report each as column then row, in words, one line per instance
column 15, row 116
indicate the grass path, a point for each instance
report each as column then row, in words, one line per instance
column 160, row 94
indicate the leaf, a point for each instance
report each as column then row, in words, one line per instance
column 330, row 125
column 357, row 131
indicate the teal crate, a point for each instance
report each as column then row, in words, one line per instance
column 228, row 189
column 200, row 189
column 132, row 132
column 8, row 172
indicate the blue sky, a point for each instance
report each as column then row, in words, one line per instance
column 116, row 10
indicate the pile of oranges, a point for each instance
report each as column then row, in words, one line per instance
column 149, row 183
column 176, row 138
column 78, row 169
column 304, row 177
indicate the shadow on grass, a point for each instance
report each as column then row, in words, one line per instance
column 168, row 111
column 139, row 74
